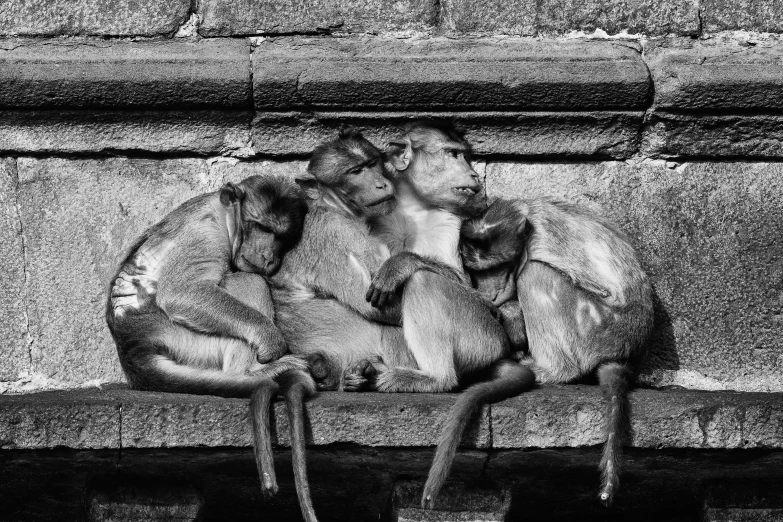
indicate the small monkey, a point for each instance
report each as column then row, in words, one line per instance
column 189, row 309
column 586, row 302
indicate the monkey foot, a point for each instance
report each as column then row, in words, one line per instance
column 360, row 376
column 325, row 374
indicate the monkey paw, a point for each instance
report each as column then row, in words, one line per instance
column 325, row 374
column 360, row 376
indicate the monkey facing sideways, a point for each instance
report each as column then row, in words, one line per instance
column 581, row 295
column 189, row 309
column 333, row 291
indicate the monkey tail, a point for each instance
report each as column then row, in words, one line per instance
column 614, row 379
column 260, row 405
column 297, row 386
column 510, row 379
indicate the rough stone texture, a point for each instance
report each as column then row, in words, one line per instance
column 678, row 135
column 128, row 500
column 13, row 322
column 74, row 419
column 178, row 132
column 716, row 75
column 249, row 17
column 79, row 217
column 443, row 74
column 457, row 502
column 232, row 170
column 580, row 134
column 573, row 416
column 708, row 237
column 749, row 15
column 101, row 73
column 92, row 17
column 744, row 501
column 559, row 17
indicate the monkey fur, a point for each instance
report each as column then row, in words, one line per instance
column 586, row 303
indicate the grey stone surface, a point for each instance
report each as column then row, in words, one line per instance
column 80, row 216
column 759, row 500
column 685, row 135
column 249, row 17
column 78, row 419
column 92, row 17
column 117, row 73
column 452, row 75
column 748, row 15
column 471, row 501
column 572, row 416
column 558, row 17
column 712, row 75
column 177, row 132
column 707, row 235
column 137, row 500
column 598, row 134
column 13, row 322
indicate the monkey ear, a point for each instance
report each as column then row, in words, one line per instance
column 309, row 185
column 231, row 194
column 399, row 153
column 524, row 228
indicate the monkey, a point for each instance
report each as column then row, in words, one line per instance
column 335, row 291
column 581, row 295
column 189, row 309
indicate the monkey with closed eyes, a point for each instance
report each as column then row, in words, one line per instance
column 570, row 284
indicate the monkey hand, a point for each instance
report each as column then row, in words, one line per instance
column 268, row 343
column 391, row 276
column 360, row 376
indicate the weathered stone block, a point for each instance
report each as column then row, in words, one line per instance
column 707, row 76
column 678, row 135
column 76, row 419
column 707, row 235
column 458, row 502
column 599, row 134
column 92, row 17
column 748, row 15
column 648, row 17
column 68, row 132
column 80, row 217
column 744, row 500
column 119, row 499
column 171, row 74
column 489, row 17
column 443, row 74
column 13, row 320
column 249, row 17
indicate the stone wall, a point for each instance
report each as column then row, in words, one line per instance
column 112, row 113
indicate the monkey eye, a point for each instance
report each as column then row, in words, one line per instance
column 356, row 170
column 456, row 154
column 371, row 164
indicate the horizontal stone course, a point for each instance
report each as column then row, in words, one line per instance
column 748, row 15
column 92, row 17
column 548, row 417
column 121, row 74
column 443, row 74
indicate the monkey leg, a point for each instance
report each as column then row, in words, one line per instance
column 448, row 331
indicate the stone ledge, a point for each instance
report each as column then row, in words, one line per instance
column 447, row 74
column 121, row 74
column 549, row 417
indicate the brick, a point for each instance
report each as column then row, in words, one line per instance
column 748, row 15
column 13, row 321
column 598, row 134
column 78, row 419
column 443, row 74
column 80, row 217
column 707, row 234
column 67, row 132
column 249, row 17
column 648, row 17
column 682, row 135
column 171, row 74
column 709, row 76
column 92, row 17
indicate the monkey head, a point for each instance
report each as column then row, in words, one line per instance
column 349, row 172
column 493, row 248
column 265, row 216
column 433, row 160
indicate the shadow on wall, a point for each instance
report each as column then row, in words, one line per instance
column 662, row 346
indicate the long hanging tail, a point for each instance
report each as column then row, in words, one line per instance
column 510, row 379
column 260, row 405
column 297, row 386
column 615, row 380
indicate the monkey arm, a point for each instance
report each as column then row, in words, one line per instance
column 396, row 271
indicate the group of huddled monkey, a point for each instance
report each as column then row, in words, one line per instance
column 386, row 271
